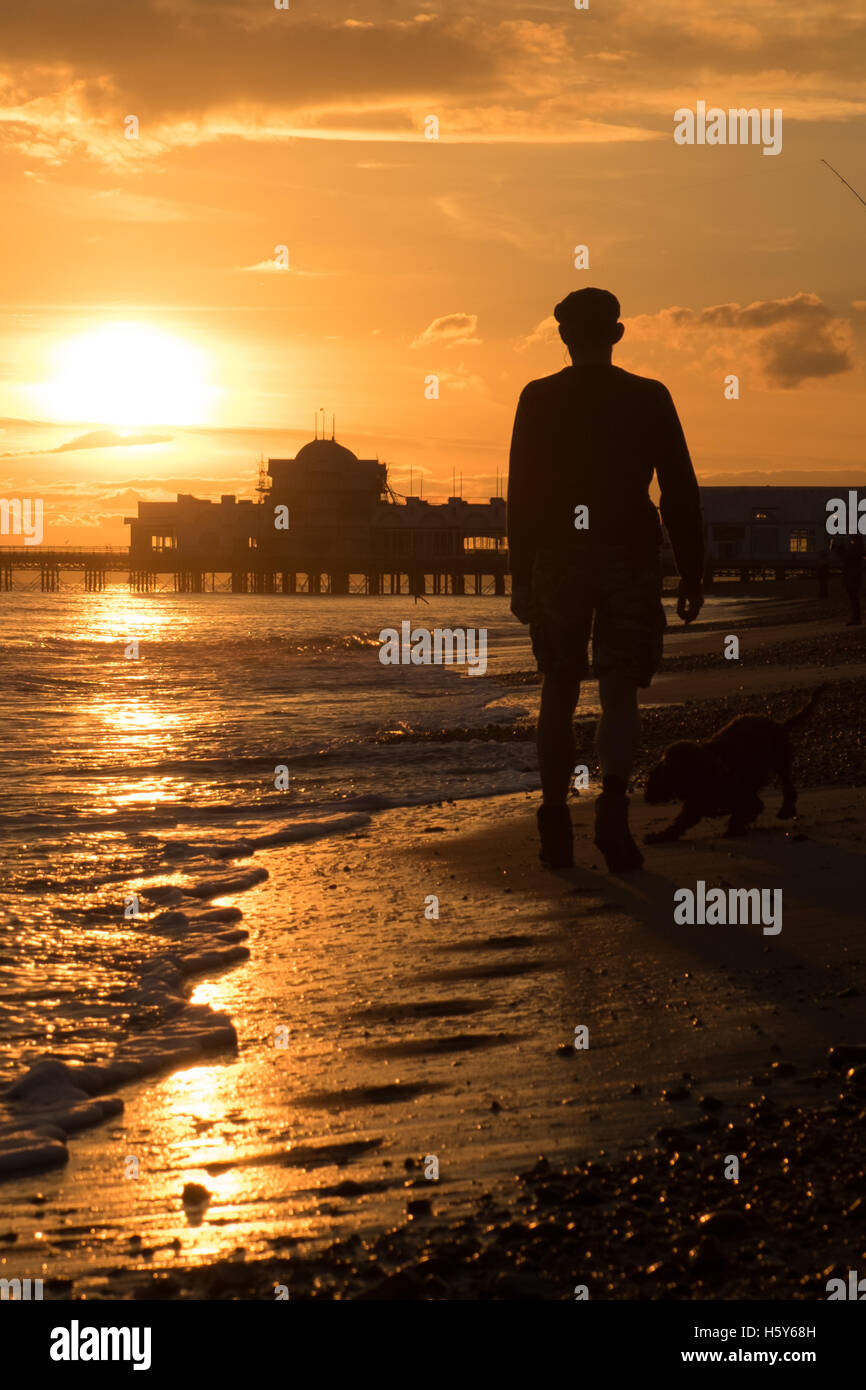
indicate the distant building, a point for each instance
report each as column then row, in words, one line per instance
column 165, row 534
column 346, row 531
column 767, row 528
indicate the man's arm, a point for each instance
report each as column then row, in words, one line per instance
column 680, row 505
column 522, row 501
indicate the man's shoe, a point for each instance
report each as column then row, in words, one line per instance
column 612, row 835
column 557, row 845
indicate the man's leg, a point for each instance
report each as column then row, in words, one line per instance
column 560, row 692
column 618, row 731
column 616, row 742
column 559, row 695
column 560, row 627
column 627, row 649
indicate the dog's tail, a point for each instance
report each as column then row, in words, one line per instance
column 806, row 712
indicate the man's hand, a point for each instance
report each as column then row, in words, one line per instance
column 690, row 601
column 520, row 602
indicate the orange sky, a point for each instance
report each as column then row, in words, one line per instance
column 408, row 256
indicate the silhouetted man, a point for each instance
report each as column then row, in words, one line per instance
column 584, row 542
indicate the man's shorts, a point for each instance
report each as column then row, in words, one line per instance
column 610, row 593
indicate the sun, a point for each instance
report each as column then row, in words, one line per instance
column 129, row 374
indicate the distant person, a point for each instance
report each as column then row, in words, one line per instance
column 850, row 552
column 584, row 542
column 822, row 569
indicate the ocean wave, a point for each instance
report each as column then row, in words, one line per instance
column 170, row 648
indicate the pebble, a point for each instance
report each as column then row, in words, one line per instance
column 194, row 1195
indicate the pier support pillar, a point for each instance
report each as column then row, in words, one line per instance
column 188, row 582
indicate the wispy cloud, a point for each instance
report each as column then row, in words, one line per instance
column 94, row 439
column 276, row 266
column 451, row 330
column 546, row 332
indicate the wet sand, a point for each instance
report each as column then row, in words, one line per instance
column 454, row 1038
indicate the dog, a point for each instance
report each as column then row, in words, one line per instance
column 722, row 776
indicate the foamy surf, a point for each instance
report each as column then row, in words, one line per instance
column 42, row 1108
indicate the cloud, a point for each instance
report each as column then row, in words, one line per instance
column 109, row 439
column 196, row 73
column 461, row 380
column 95, row 439
column 787, row 341
column 787, row 477
column 451, row 330
column 275, row 267
column 546, row 332
column 192, row 73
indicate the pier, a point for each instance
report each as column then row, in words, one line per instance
column 481, row 572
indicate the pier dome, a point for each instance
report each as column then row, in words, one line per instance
column 325, row 453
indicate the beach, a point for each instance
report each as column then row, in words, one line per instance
column 404, row 983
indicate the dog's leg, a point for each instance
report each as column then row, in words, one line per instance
column 788, row 808
column 687, row 817
column 744, row 812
